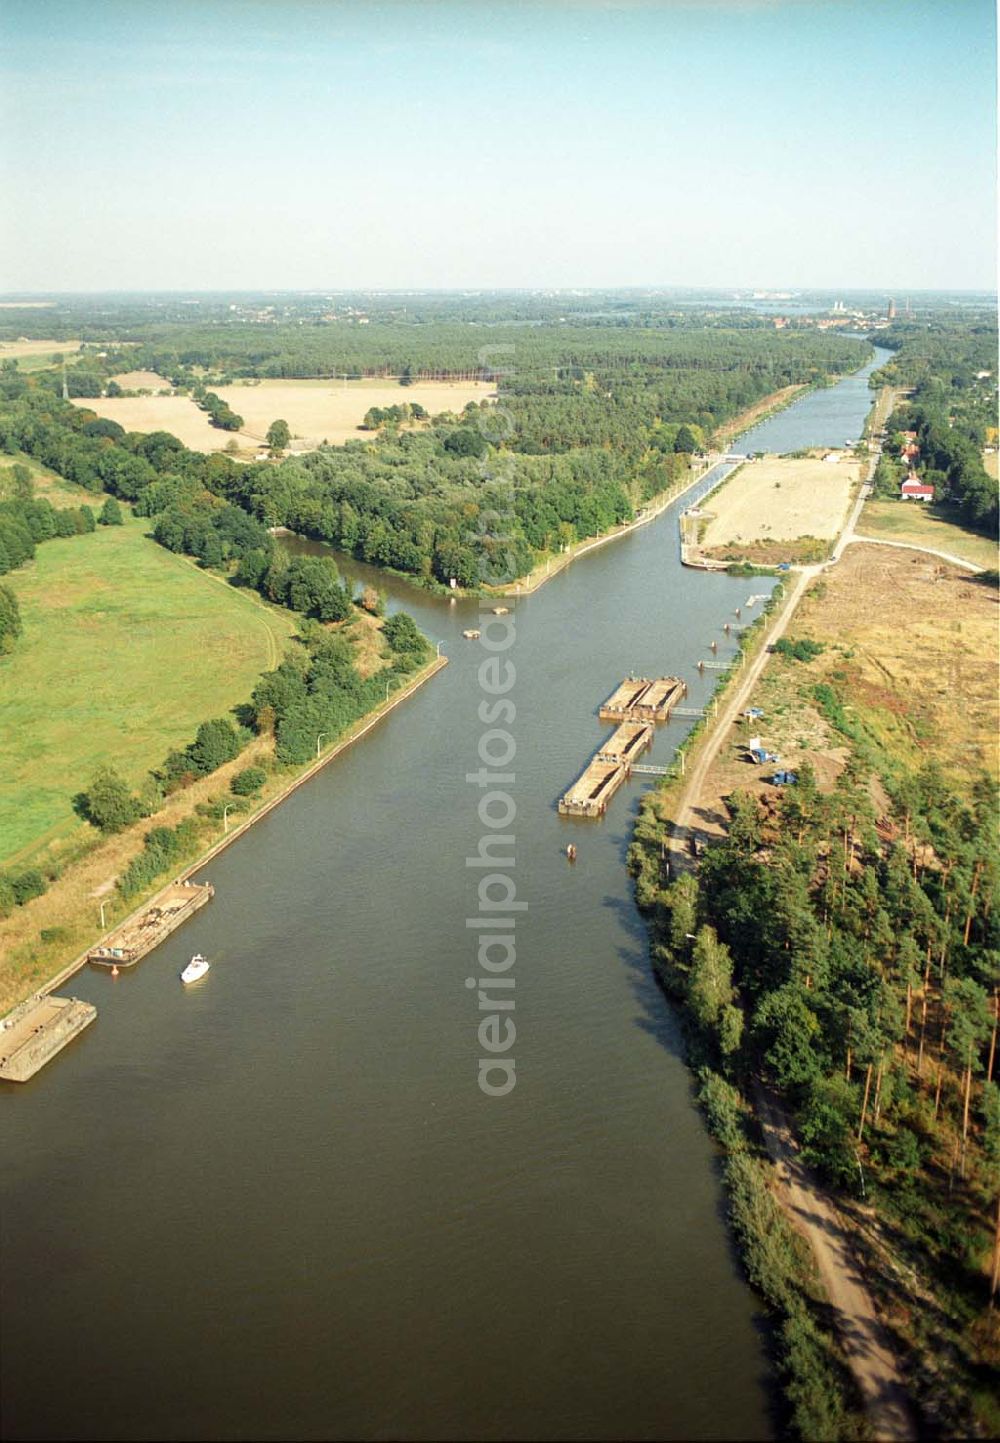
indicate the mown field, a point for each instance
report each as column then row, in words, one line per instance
column 48, row 484
column 176, row 414
column 316, row 411
column 911, row 522
column 126, row 648
column 780, row 499
column 333, row 410
column 24, row 350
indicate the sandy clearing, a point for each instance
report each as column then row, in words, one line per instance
column 919, row 634
column 332, row 410
column 780, row 499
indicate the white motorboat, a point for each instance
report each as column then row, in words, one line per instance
column 196, row 969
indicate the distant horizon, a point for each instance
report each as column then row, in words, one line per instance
column 899, row 293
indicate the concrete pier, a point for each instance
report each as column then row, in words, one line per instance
column 642, row 699
column 34, row 1032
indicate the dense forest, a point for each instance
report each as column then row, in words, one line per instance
column 590, row 423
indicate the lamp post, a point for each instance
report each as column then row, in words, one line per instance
column 225, row 817
column 318, row 740
column 102, row 917
column 680, row 752
column 387, row 693
column 439, row 646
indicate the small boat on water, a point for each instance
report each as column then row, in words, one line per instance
column 196, row 969
column 571, row 852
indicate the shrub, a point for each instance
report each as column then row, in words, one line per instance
column 400, row 631
column 109, row 804
column 8, row 901
column 164, row 846
column 215, row 743
column 28, row 884
column 801, row 650
column 10, row 619
column 248, row 781
column 724, row 1110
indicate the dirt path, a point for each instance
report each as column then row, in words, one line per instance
column 912, row 546
column 868, row 1349
column 683, row 829
column 759, row 411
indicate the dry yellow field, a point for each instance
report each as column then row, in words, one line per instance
column 142, row 381
column 176, row 414
column 913, row 641
column 332, row 410
column 990, row 459
column 779, row 499
column 316, row 411
column 24, row 349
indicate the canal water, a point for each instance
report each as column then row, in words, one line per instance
column 279, row 1206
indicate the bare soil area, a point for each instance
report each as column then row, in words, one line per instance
column 781, row 499
column 316, row 411
column 176, row 414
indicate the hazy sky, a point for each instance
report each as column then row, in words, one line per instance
column 308, row 143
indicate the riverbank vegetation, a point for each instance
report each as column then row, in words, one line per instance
column 141, row 831
column 838, row 944
column 125, row 649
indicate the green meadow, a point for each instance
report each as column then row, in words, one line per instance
column 126, row 648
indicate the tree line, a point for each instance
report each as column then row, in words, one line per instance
column 592, row 423
column 951, row 365
column 848, row 957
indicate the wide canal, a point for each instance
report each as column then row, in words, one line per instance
column 279, row 1205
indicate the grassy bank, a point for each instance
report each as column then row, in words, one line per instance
column 754, row 415
column 126, row 649
column 917, row 525
column 44, row 942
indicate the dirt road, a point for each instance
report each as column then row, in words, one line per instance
column 913, row 546
column 684, row 829
column 866, row 1346
column 869, row 1352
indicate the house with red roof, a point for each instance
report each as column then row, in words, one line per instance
column 913, row 489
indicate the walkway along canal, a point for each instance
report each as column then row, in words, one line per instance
column 280, row 1206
